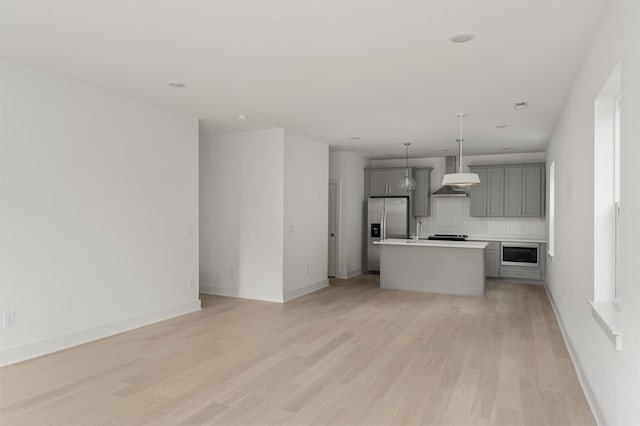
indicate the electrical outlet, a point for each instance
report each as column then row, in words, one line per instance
column 292, row 229
column 190, row 283
column 8, row 319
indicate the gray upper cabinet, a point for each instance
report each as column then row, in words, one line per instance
column 422, row 193
column 385, row 182
column 513, row 191
column 533, row 190
column 378, row 183
column 395, row 176
column 509, row 191
column 479, row 194
column 487, row 199
column 524, row 191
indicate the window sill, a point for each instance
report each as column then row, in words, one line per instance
column 551, row 256
column 607, row 315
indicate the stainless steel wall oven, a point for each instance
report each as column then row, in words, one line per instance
column 520, row 254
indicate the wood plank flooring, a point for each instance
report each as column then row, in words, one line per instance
column 349, row 354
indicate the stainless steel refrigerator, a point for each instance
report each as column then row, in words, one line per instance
column 386, row 218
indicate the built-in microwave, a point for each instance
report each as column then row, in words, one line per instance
column 520, row 254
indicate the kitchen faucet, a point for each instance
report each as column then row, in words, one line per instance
column 418, row 230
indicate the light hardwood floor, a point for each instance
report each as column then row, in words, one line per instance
column 348, row 354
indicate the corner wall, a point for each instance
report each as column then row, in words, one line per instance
column 306, row 206
column 611, row 378
column 264, row 214
column 241, row 211
column 98, row 214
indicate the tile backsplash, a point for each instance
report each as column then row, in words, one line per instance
column 451, row 216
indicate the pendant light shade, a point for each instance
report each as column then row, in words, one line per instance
column 461, row 180
column 407, row 184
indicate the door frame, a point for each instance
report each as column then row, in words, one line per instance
column 336, row 212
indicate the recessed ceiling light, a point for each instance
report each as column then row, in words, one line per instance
column 504, row 148
column 520, row 105
column 177, row 84
column 389, row 155
column 462, row 37
column 502, row 126
column 243, row 117
column 354, row 138
column 444, row 150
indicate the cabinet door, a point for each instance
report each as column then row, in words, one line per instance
column 492, row 263
column 513, row 191
column 422, row 193
column 394, row 178
column 495, row 192
column 532, row 203
column 479, row 194
column 378, row 183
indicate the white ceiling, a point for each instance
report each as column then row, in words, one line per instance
column 382, row 70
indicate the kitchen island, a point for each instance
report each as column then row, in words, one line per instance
column 443, row 267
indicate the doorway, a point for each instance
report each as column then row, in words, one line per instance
column 333, row 216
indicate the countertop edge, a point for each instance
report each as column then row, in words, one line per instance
column 434, row 243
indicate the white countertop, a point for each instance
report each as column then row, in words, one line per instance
column 506, row 239
column 433, row 243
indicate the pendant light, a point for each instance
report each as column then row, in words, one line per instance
column 460, row 179
column 407, row 183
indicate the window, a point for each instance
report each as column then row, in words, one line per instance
column 552, row 210
column 607, row 290
column 616, row 193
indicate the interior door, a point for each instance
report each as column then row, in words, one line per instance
column 333, row 249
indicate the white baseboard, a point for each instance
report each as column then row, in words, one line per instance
column 306, row 289
column 242, row 293
column 348, row 274
column 598, row 415
column 54, row 344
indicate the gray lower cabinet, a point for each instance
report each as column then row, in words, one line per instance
column 487, row 199
column 537, row 273
column 422, row 192
column 494, row 268
column 492, row 260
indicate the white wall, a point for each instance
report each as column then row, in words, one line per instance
column 347, row 171
column 263, row 214
column 450, row 215
column 612, row 379
column 99, row 212
column 241, row 214
column 306, row 169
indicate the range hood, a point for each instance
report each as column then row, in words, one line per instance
column 450, row 191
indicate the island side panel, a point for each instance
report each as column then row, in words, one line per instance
column 442, row 270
